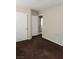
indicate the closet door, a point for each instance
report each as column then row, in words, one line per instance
column 21, row 26
column 35, row 25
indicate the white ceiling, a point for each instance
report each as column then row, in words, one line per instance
column 38, row 4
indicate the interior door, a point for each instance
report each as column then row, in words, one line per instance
column 35, row 25
column 21, row 26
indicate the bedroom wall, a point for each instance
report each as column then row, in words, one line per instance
column 21, row 26
column 30, row 13
column 29, row 17
column 53, row 24
column 35, row 13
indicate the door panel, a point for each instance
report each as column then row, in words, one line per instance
column 35, row 25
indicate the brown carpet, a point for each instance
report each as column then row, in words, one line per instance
column 38, row 48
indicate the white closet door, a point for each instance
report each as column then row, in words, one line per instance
column 35, row 25
column 21, row 26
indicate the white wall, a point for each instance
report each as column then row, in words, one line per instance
column 21, row 26
column 28, row 11
column 35, row 13
column 53, row 24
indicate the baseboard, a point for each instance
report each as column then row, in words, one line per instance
column 61, row 44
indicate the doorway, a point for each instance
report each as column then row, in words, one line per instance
column 37, row 25
column 40, row 24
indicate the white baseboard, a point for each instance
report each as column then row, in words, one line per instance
column 59, row 43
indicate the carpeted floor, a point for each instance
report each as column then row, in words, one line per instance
column 38, row 48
